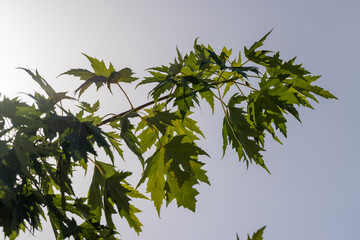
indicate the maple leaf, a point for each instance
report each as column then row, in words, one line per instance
column 238, row 130
column 154, row 171
column 126, row 133
column 177, row 160
column 83, row 74
column 99, row 67
column 258, row 234
column 124, row 75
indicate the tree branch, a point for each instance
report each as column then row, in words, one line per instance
column 118, row 116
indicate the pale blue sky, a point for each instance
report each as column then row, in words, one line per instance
column 314, row 189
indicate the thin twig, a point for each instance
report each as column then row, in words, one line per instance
column 223, row 105
column 245, row 63
column 219, row 98
column 245, row 85
column 62, row 109
column 127, row 97
column 239, row 89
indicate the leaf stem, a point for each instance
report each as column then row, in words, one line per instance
column 97, row 166
column 170, row 93
column 222, row 102
column 223, row 105
column 109, row 114
column 239, row 89
column 245, row 85
column 245, row 63
column 127, row 97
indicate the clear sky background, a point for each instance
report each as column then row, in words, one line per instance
column 314, row 189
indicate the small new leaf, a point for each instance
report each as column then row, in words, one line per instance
column 258, row 235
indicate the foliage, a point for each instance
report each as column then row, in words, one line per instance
column 42, row 144
column 258, row 235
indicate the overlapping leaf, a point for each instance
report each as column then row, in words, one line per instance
column 241, row 133
column 108, row 188
column 172, row 172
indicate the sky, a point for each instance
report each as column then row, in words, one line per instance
column 313, row 191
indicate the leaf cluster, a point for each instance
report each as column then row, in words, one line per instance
column 42, row 144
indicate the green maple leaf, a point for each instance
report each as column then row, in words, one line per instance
column 118, row 194
column 95, row 191
column 204, row 60
column 163, row 86
column 164, row 76
column 90, row 108
column 183, row 170
column 76, row 135
column 250, row 53
column 157, row 75
column 124, row 75
column 198, row 172
column 114, row 190
column 241, row 133
column 201, row 86
column 209, row 97
column 181, row 152
column 147, row 139
column 266, row 110
column 177, row 160
column 225, row 54
column 102, row 75
column 185, row 195
column 131, row 218
column 184, row 99
column 190, row 63
column 161, row 120
column 132, row 192
column 217, row 60
column 83, row 209
column 97, row 80
column 187, row 128
column 41, row 81
column 258, row 234
column 83, row 74
column 155, row 171
column 99, row 67
column 303, row 86
column 109, row 188
column 114, row 139
column 126, row 133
